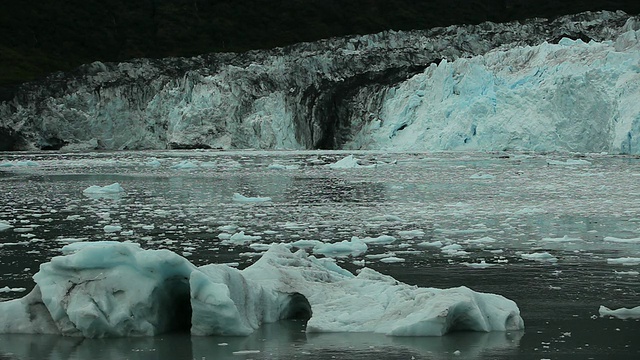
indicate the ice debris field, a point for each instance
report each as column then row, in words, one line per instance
column 233, row 241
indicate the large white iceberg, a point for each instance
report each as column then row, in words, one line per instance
column 98, row 289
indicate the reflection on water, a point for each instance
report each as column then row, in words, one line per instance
column 283, row 340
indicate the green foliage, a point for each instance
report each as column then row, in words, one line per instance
column 39, row 37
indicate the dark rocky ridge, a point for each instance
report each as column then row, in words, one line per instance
column 40, row 37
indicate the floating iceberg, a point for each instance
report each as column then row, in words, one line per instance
column 100, row 289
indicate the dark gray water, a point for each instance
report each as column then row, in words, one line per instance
column 497, row 207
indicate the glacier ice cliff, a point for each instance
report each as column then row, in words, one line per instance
column 570, row 84
column 111, row 289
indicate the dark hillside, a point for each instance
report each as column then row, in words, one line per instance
column 39, row 37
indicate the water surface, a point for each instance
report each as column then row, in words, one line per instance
column 497, row 207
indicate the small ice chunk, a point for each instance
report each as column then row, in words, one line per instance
column 481, row 265
column 349, row 162
column 112, row 228
column 69, row 240
column 358, row 262
column 481, row 176
column 114, row 188
column 392, row 259
column 565, row 238
column 240, row 238
column 295, row 226
column 569, row 162
column 481, row 241
column 528, row 210
column 541, row 256
column 385, row 217
column 353, row 247
column 227, row 228
column 241, row 198
column 622, row 313
column 451, row 248
column 246, row 352
column 184, row 165
column 380, row 256
column 7, row 289
column 19, row 163
column 276, row 166
column 431, row 244
column 410, row 234
column 306, row 244
column 5, row 226
column 619, row 240
column 153, row 162
column 382, row 239
column 628, row 261
column 631, row 273
column 260, row 247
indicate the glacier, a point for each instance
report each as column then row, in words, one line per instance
column 113, row 289
column 564, row 85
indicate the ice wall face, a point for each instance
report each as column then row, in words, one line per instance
column 570, row 96
column 354, row 92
